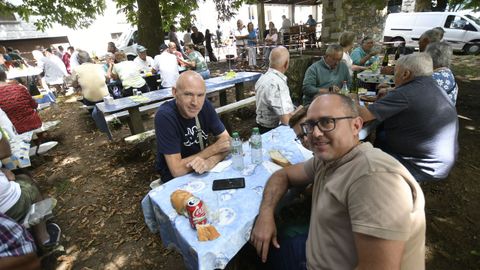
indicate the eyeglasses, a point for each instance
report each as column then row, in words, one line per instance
column 325, row 124
column 300, row 137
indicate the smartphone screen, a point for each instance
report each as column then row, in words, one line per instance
column 230, row 183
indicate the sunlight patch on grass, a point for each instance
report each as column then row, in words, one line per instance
column 69, row 160
column 466, row 66
column 118, row 263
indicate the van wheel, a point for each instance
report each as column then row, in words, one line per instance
column 472, row 48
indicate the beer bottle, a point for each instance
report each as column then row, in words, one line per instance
column 354, row 89
column 385, row 59
column 397, row 53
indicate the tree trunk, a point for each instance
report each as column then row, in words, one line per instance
column 441, row 5
column 150, row 30
column 423, row 5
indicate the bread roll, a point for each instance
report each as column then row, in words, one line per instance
column 179, row 199
column 279, row 159
column 206, row 232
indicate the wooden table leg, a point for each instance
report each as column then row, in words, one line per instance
column 239, row 91
column 223, row 97
column 135, row 122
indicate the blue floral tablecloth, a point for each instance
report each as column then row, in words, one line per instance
column 232, row 212
column 20, row 146
column 369, row 76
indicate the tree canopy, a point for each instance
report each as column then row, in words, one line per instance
column 72, row 13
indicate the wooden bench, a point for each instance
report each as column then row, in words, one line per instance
column 150, row 134
column 143, row 109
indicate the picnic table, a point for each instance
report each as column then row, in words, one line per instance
column 134, row 103
column 20, row 147
column 232, row 212
column 25, row 72
column 370, row 76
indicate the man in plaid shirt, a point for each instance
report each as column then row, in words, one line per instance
column 17, row 247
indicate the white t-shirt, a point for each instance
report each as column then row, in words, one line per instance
column 91, row 78
column 73, row 60
column 129, row 74
column 9, row 191
column 348, row 60
column 187, row 39
column 144, row 66
column 242, row 32
column 166, row 63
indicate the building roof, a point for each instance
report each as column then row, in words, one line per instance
column 15, row 29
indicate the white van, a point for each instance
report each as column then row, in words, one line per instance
column 462, row 32
column 128, row 42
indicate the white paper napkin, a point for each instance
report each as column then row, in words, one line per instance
column 221, row 166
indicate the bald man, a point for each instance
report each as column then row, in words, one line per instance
column 274, row 105
column 182, row 126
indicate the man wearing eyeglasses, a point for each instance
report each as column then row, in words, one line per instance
column 367, row 209
column 327, row 74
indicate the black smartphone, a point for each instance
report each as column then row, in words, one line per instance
column 229, row 183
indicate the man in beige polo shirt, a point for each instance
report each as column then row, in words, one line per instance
column 367, row 209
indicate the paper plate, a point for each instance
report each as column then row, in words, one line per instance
column 44, row 147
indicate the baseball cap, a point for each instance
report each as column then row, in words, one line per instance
column 140, row 49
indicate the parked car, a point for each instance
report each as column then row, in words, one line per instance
column 462, row 32
column 128, row 42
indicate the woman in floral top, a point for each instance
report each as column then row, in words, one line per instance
column 441, row 54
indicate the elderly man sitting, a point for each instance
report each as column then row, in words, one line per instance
column 330, row 71
column 364, row 55
column 420, row 122
column 143, row 61
column 273, row 101
column 90, row 78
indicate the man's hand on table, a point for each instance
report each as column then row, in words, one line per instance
column 201, row 165
column 263, row 233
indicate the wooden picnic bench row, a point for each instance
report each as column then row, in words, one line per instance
column 132, row 107
column 150, row 134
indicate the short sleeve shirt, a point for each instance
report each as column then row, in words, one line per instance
column 445, row 79
column 200, row 63
column 176, row 134
column 272, row 98
column 14, row 239
column 368, row 192
column 357, row 55
column 421, row 126
column 129, row 74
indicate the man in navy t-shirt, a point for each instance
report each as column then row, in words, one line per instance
column 182, row 126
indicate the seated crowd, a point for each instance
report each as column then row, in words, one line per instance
column 367, row 208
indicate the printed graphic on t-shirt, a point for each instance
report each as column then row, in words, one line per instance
column 191, row 136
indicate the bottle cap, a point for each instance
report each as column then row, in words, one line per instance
column 255, row 130
column 235, row 135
